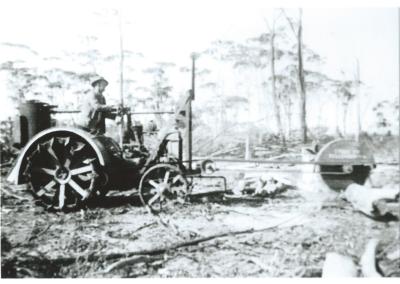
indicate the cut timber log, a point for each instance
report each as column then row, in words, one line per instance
column 263, row 185
column 336, row 266
column 372, row 201
column 367, row 261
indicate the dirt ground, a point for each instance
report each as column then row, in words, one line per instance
column 287, row 236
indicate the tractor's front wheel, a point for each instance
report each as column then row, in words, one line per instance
column 161, row 185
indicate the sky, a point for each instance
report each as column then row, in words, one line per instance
column 171, row 30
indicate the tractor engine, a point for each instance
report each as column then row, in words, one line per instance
column 34, row 116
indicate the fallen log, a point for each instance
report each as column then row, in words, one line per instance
column 337, row 265
column 372, row 201
column 131, row 260
column 236, row 197
column 368, row 261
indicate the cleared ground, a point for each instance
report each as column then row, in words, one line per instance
column 287, row 236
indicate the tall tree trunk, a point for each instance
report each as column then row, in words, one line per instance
column 287, row 106
column 247, row 154
column 303, row 124
column 289, row 115
column 158, row 116
column 338, row 133
column 274, row 95
column 358, row 101
column 345, row 108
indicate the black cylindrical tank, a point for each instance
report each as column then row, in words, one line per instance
column 34, row 116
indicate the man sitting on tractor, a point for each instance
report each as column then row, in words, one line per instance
column 94, row 109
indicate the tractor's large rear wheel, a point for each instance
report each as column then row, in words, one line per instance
column 63, row 171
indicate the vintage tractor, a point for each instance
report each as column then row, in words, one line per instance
column 66, row 167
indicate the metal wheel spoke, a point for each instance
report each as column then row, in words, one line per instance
column 175, row 179
column 81, row 170
column 53, row 155
column 45, row 188
column 67, row 140
column 50, row 172
column 63, row 140
column 67, row 163
column 85, row 177
column 88, row 161
column 41, row 192
column 154, row 184
column 77, row 188
column 78, row 146
column 154, row 198
column 61, row 196
column 166, row 177
column 50, row 184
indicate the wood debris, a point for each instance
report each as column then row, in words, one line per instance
column 374, row 202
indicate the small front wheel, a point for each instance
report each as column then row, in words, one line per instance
column 162, row 184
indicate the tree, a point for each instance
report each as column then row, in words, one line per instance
column 357, row 83
column 345, row 94
column 21, row 80
column 386, row 116
column 298, row 32
column 272, row 54
column 160, row 90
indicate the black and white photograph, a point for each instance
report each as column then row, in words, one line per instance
column 199, row 139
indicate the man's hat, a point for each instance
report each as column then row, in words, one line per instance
column 98, row 79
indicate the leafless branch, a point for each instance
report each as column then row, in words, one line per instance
column 267, row 24
column 132, row 260
column 289, row 21
column 13, row 195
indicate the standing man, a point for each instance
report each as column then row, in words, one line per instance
column 94, row 108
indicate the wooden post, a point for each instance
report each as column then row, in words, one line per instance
column 189, row 114
column 121, row 77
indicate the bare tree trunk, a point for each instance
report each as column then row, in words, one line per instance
column 247, row 155
column 274, row 95
column 158, row 116
column 287, row 107
column 303, row 124
column 289, row 117
column 358, row 101
column 338, row 133
column 289, row 121
column 345, row 108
